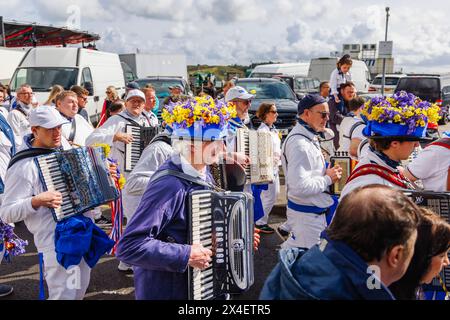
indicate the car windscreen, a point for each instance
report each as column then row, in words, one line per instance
column 161, row 86
column 263, row 74
column 389, row 81
column 268, row 90
column 43, row 78
column 425, row 88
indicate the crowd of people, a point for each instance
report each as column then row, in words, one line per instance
column 371, row 241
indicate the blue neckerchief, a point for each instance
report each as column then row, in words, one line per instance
column 391, row 163
column 7, row 130
column 340, row 72
column 308, row 127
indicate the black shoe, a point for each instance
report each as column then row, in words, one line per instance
column 103, row 222
column 283, row 233
column 5, row 290
column 265, row 229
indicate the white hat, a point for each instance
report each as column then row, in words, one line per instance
column 136, row 93
column 46, row 117
column 238, row 93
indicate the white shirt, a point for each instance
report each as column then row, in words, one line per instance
column 276, row 142
column 20, row 125
column 151, row 159
column 105, row 134
column 83, row 130
column 369, row 179
column 22, row 183
column 4, row 111
column 305, row 169
column 431, row 166
column 344, row 133
column 336, row 79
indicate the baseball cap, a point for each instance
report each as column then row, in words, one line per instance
column 132, row 85
column 46, row 117
column 135, row 93
column 309, row 101
column 238, row 93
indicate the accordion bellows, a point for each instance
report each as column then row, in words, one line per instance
column 258, row 146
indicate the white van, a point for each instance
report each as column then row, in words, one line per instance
column 44, row 67
column 10, row 58
column 270, row 70
column 321, row 68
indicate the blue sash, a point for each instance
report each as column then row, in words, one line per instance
column 307, row 209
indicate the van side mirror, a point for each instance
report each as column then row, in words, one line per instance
column 89, row 87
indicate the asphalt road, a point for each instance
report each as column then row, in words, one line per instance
column 107, row 283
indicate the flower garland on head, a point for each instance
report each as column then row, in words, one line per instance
column 402, row 108
column 205, row 110
column 12, row 243
column 116, row 206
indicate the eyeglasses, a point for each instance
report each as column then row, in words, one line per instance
column 274, row 112
column 83, row 98
column 108, row 92
column 27, row 93
column 324, row 114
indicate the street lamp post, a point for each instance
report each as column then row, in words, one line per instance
column 384, row 59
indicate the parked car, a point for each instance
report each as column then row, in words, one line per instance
column 270, row 70
column 301, row 85
column 272, row 90
column 434, row 88
column 390, row 83
column 162, row 84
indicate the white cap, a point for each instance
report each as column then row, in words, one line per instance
column 135, row 93
column 46, row 117
column 238, row 93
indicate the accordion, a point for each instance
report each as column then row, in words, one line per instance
column 142, row 136
column 229, row 177
column 258, row 146
column 439, row 203
column 82, row 177
column 347, row 164
column 223, row 223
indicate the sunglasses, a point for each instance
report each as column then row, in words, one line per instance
column 274, row 112
column 324, row 114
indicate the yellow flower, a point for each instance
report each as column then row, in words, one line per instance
column 106, row 148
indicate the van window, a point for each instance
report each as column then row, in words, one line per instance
column 86, row 77
column 300, row 84
column 42, row 79
column 446, row 90
column 389, row 81
column 425, row 88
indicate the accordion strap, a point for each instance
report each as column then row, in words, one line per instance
column 130, row 120
column 29, row 153
column 181, row 175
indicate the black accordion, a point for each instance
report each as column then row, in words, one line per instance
column 142, row 136
column 81, row 175
column 223, row 223
column 439, row 203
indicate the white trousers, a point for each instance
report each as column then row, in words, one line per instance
column 70, row 284
column 268, row 199
column 305, row 229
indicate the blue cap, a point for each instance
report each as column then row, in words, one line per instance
column 309, row 101
column 132, row 85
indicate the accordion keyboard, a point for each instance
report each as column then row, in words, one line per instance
column 55, row 182
column 223, row 223
column 142, row 136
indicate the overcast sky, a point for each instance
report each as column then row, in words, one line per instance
column 243, row 31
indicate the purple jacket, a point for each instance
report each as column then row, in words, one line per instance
column 155, row 238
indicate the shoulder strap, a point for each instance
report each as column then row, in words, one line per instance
column 162, row 138
column 73, row 130
column 353, row 128
column 18, row 108
column 130, row 120
column 445, row 143
column 29, row 153
column 285, row 143
column 380, row 171
column 362, row 145
column 180, row 175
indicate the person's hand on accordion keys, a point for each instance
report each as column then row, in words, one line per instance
column 112, row 167
column 200, row 257
column 237, row 157
column 123, row 137
column 48, row 199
